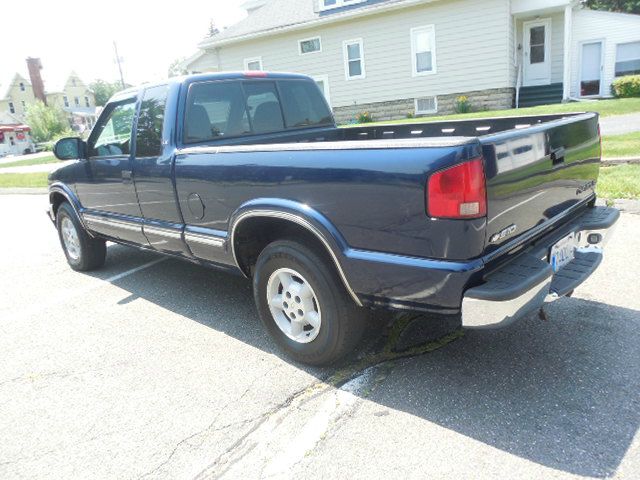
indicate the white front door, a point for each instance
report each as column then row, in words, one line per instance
column 537, row 52
column 591, row 69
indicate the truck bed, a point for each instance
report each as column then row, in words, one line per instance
column 537, row 168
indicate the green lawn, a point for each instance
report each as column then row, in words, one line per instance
column 30, row 161
column 15, row 180
column 627, row 145
column 606, row 108
column 621, row 181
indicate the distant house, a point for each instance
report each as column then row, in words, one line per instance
column 72, row 95
column 399, row 57
column 16, row 94
column 75, row 97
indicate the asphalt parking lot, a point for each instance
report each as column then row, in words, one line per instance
column 157, row 368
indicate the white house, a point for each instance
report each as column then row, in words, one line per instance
column 399, row 57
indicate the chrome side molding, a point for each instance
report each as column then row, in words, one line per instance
column 208, row 240
column 131, row 226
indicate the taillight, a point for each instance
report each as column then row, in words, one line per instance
column 458, row 191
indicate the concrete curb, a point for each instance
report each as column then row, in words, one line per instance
column 610, row 162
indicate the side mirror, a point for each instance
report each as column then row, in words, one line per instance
column 70, row 148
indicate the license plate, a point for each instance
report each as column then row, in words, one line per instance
column 563, row 252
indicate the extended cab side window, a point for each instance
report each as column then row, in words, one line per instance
column 303, row 104
column 113, row 132
column 264, row 107
column 215, row 110
column 150, row 122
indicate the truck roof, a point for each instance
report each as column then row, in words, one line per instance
column 133, row 91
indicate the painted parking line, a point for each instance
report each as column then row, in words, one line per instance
column 47, row 303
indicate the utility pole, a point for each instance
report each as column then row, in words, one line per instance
column 119, row 62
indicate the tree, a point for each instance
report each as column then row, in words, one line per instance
column 47, row 122
column 104, row 90
column 624, row 6
column 175, row 70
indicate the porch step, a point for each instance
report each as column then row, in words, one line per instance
column 541, row 95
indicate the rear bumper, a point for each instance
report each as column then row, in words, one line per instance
column 526, row 282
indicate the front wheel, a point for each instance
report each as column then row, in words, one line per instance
column 83, row 252
column 303, row 304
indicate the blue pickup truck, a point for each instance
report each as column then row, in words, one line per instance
column 247, row 172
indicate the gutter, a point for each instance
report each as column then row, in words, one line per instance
column 335, row 18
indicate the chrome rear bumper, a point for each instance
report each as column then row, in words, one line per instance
column 528, row 281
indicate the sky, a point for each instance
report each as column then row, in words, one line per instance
column 71, row 35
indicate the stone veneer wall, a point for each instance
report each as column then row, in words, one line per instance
column 493, row 99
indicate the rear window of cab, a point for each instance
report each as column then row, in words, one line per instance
column 222, row 109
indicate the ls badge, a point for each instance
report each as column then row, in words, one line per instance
column 504, row 233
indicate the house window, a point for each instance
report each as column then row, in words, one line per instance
column 253, row 63
column 22, row 86
column 353, row 59
column 65, row 99
column 76, row 101
column 73, row 82
column 627, row 59
column 24, row 105
column 12, row 107
column 329, row 4
column 423, row 50
column 310, row 45
column 426, row 105
column 87, row 103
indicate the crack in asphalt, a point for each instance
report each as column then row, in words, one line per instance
column 383, row 362
column 33, row 377
column 209, row 428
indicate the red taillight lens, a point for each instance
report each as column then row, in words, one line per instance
column 458, row 192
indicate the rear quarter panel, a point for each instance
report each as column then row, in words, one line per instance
column 374, row 197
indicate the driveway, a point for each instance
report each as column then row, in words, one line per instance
column 620, row 124
column 156, row 368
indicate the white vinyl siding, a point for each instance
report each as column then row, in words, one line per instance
column 254, row 63
column 353, row 51
column 423, row 50
column 310, row 45
column 614, row 29
column 469, row 58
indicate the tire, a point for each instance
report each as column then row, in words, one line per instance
column 340, row 322
column 83, row 252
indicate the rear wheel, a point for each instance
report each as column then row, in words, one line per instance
column 83, row 252
column 303, row 304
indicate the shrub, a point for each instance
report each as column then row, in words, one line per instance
column 46, row 122
column 410, row 115
column 625, row 87
column 364, row 117
column 462, row 104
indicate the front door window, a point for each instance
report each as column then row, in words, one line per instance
column 591, row 69
column 537, row 44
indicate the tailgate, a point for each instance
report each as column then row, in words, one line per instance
column 535, row 173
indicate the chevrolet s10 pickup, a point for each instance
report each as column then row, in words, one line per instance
column 486, row 219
